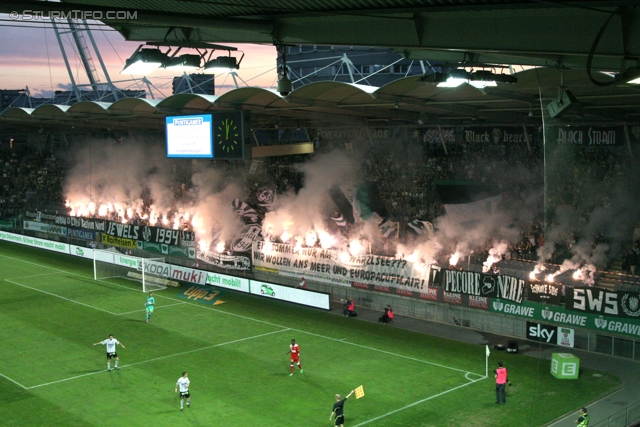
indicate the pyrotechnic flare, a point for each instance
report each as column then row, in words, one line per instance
column 539, row 268
column 495, row 255
column 454, row 259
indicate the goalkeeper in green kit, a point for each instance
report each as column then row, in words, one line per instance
column 149, row 306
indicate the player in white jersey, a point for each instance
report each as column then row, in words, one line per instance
column 183, row 383
column 111, row 343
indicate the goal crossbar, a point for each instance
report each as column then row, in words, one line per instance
column 112, row 264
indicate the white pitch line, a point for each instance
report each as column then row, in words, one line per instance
column 155, row 308
column 34, row 275
column 13, row 381
column 273, row 324
column 386, row 352
column 482, row 377
column 262, row 321
column 157, row 358
column 58, row 296
column 416, row 403
column 136, row 290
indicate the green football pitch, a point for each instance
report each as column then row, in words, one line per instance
column 236, row 354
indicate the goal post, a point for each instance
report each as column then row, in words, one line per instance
column 147, row 271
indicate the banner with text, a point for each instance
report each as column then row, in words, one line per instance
column 7, row 224
column 560, row 315
column 372, row 269
column 116, row 229
column 202, row 294
column 497, row 135
column 170, row 250
column 35, row 242
column 229, row 282
column 81, row 234
column 81, row 251
column 156, row 268
column 230, row 262
column 118, row 241
column 587, row 136
column 44, row 228
column 286, row 293
column 68, row 221
column 550, row 334
column 550, row 293
column 599, row 301
column 149, row 234
column 479, row 284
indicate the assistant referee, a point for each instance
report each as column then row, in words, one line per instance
column 338, row 409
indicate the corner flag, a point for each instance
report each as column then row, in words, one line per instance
column 359, row 392
column 486, row 362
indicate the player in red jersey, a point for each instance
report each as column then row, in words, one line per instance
column 294, row 350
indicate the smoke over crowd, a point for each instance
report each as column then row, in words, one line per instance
column 581, row 211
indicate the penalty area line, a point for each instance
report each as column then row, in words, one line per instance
column 416, row 403
column 58, row 296
column 155, row 308
column 154, row 359
column 385, row 352
column 34, row 275
column 13, row 381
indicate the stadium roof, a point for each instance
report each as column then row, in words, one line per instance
column 405, row 102
column 526, row 32
column 550, row 34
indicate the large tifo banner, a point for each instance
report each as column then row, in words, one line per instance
column 479, row 284
column 327, row 263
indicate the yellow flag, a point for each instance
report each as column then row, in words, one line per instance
column 359, row 392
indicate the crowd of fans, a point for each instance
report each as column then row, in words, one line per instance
column 28, row 177
column 404, row 178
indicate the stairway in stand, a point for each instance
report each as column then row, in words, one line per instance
column 615, row 279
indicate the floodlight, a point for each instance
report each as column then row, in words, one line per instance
column 629, row 76
column 183, row 63
column 454, row 78
column 221, row 64
column 452, row 82
column 479, row 79
column 144, row 61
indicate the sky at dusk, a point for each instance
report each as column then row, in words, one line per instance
column 30, row 57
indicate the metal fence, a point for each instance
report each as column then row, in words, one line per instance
column 629, row 416
column 474, row 318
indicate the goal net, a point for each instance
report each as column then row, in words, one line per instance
column 148, row 271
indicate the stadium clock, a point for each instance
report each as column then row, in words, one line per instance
column 228, row 135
